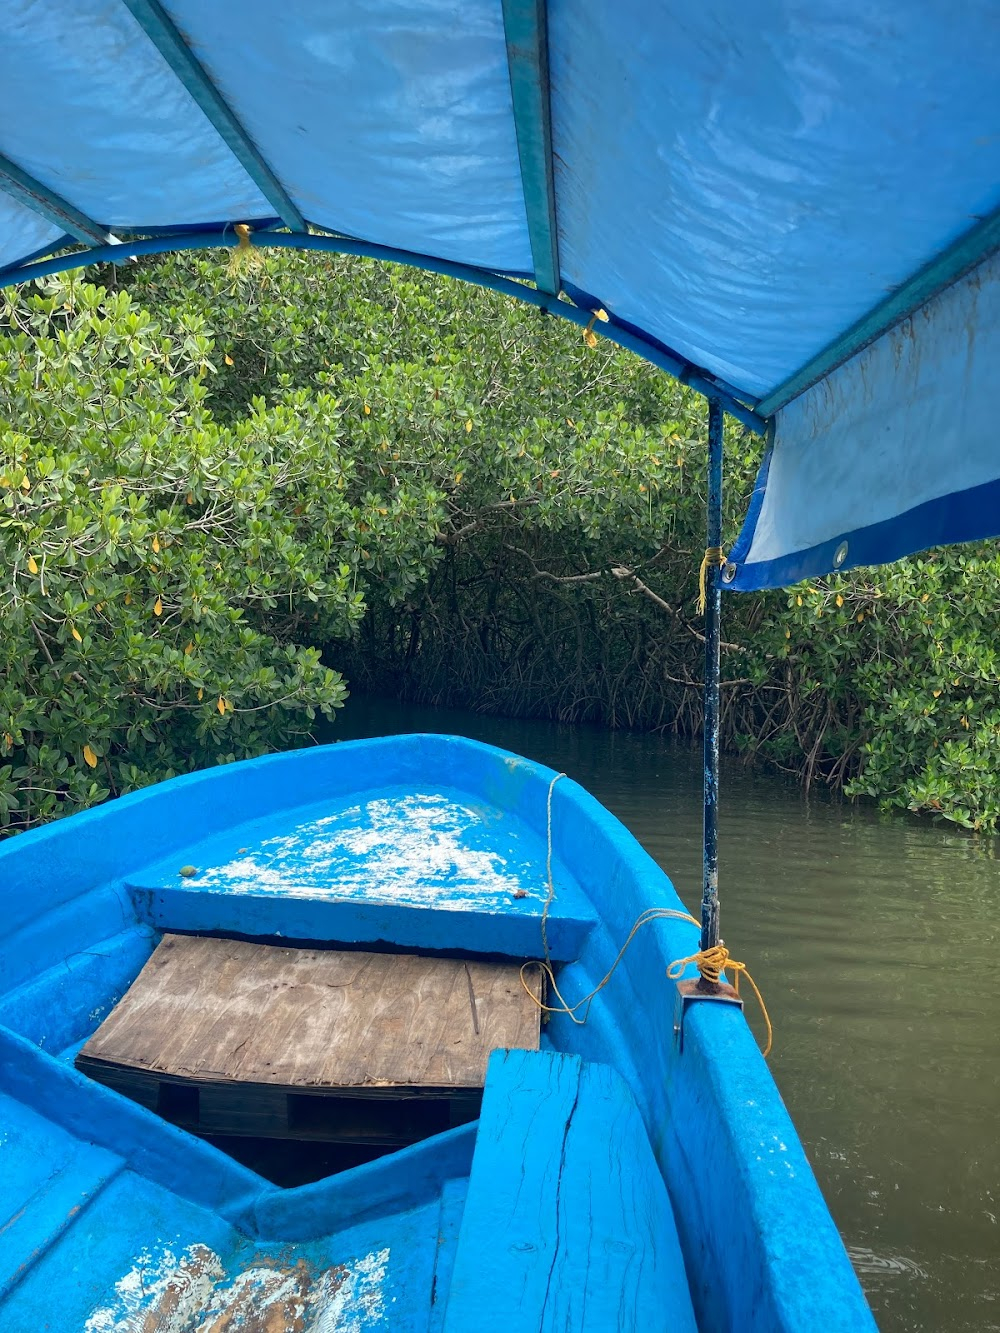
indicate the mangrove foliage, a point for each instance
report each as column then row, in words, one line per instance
column 225, row 494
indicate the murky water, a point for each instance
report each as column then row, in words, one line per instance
column 875, row 941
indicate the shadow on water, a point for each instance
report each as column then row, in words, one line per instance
column 875, row 942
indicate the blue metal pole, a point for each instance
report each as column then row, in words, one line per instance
column 713, row 616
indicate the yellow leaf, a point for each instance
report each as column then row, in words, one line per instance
column 965, row 723
column 468, row 427
column 156, row 545
column 221, row 705
column 936, row 693
column 458, row 478
column 590, row 338
column 368, row 410
column 8, row 739
column 641, row 487
column 32, row 565
column 788, row 633
column 926, row 597
column 798, row 600
column 189, row 498
column 602, row 315
column 158, row 607
column 570, row 421
column 860, row 617
column 189, row 650
column 840, row 600
column 90, row 757
column 76, row 634
column 228, row 359
column 201, row 695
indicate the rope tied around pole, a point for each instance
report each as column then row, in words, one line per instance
column 245, row 255
column 714, row 555
column 711, row 963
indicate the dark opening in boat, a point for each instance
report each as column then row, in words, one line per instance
column 302, row 1062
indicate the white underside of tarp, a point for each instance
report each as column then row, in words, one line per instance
column 908, row 424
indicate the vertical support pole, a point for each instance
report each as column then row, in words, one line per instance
column 713, row 616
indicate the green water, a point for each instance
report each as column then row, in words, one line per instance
column 875, row 943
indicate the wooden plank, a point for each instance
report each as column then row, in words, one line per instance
column 567, row 1223
column 366, row 1024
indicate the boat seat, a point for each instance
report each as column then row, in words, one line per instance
column 376, row 1050
column 567, row 1222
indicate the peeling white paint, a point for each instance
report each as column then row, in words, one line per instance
column 353, row 1302
column 169, row 1289
column 417, row 850
column 195, row 1294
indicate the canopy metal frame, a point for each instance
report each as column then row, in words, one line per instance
column 153, row 20
column 30, row 192
column 656, row 354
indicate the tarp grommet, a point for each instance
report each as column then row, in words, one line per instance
column 728, row 571
column 840, row 555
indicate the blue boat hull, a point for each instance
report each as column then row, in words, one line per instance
column 618, row 1177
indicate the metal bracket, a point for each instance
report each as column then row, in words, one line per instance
column 689, row 992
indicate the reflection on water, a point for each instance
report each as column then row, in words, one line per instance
column 875, row 942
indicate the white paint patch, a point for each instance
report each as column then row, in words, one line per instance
column 351, row 1301
column 166, row 1288
column 416, row 850
column 194, row 1294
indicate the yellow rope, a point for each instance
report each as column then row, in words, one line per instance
column 570, row 1010
column 589, row 336
column 714, row 555
column 711, row 963
column 244, row 256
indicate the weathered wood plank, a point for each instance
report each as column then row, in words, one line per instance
column 567, row 1223
column 223, row 1010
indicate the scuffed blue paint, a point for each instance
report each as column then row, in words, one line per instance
column 759, row 1248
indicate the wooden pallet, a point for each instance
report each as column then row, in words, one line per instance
column 227, row 1037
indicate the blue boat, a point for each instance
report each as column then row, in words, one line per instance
column 795, row 211
column 637, row 1170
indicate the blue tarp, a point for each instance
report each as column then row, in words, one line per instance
column 748, row 189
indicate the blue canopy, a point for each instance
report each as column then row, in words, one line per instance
column 792, row 205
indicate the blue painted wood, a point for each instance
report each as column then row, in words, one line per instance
column 526, row 31
column 453, row 1197
column 656, row 353
column 153, row 20
column 513, row 934
column 567, row 1223
column 406, row 1179
column 970, row 249
column 49, row 205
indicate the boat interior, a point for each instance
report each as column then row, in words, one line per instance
column 167, row 1191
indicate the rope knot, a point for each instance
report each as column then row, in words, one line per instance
column 714, row 555
column 711, row 963
column 245, row 255
column 589, row 336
